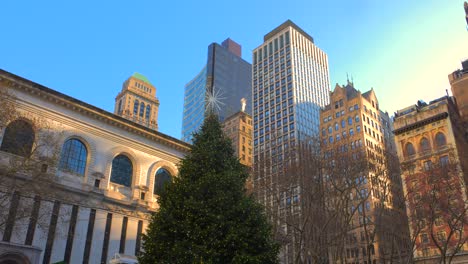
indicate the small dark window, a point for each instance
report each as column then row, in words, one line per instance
column 148, row 112
column 135, row 107
column 142, row 196
column 97, row 182
column 18, row 138
column 424, row 145
column 410, row 149
column 440, row 139
column 163, row 177
column 122, row 171
column 142, row 109
column 120, row 106
column 444, row 161
column 44, row 168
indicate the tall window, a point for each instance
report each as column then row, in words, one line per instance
column 122, row 171
column 142, row 109
column 424, row 144
column 163, row 177
column 135, row 107
column 148, row 112
column 120, row 106
column 440, row 139
column 410, row 149
column 73, row 157
column 19, row 138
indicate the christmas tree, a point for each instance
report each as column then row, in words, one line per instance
column 205, row 215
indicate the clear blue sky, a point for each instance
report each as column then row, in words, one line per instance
column 86, row 49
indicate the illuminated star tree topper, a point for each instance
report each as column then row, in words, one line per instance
column 214, row 102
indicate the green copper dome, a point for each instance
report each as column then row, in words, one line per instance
column 141, row 77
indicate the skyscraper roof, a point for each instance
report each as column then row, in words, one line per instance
column 287, row 23
column 141, row 77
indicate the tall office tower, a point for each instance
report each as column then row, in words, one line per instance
column 138, row 102
column 290, row 85
column 432, row 149
column 223, row 82
column 459, row 83
column 361, row 171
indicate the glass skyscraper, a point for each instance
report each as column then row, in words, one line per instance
column 226, row 76
column 290, row 86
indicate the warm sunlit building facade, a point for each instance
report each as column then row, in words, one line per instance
column 78, row 183
column 357, row 139
column 238, row 127
column 459, row 84
column 138, row 102
column 432, row 149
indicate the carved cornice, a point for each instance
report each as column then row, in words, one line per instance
column 421, row 123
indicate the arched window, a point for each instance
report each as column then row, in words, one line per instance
column 122, row 171
column 162, row 178
column 148, row 112
column 19, row 138
column 409, row 148
column 440, row 139
column 336, row 126
column 330, row 130
column 73, row 157
column 424, row 145
column 350, row 121
column 356, row 118
column 135, row 107
column 343, row 123
column 142, row 109
column 323, row 132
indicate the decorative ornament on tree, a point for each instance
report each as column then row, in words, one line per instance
column 214, row 100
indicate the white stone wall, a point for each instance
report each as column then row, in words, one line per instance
column 105, row 137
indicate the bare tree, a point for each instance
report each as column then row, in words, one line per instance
column 28, row 162
column 439, row 218
column 336, row 203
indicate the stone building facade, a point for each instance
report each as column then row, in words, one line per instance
column 432, row 149
column 86, row 180
column 138, row 102
column 238, row 128
column 357, row 140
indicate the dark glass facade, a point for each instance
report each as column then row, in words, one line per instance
column 225, row 75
